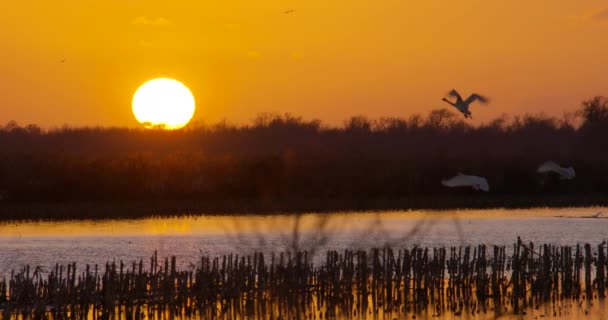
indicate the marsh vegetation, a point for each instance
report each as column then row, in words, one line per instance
column 383, row 282
column 285, row 163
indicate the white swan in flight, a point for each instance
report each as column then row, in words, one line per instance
column 462, row 180
column 463, row 105
column 550, row 166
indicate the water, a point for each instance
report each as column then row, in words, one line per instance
column 96, row 242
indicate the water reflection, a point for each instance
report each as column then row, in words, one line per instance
column 95, row 242
column 469, row 282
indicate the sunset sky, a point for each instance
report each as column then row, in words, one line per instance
column 328, row 59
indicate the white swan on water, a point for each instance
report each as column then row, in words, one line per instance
column 550, row 166
column 463, row 180
column 463, row 105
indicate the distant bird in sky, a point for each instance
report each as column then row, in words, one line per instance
column 550, row 166
column 463, row 180
column 289, row 11
column 463, row 105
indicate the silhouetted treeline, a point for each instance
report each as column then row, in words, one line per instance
column 278, row 158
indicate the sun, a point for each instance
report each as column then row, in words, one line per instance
column 163, row 103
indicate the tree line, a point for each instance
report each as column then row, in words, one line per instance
column 282, row 157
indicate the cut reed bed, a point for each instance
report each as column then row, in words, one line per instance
column 380, row 283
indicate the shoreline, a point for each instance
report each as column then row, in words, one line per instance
column 143, row 208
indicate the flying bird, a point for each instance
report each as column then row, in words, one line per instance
column 462, row 180
column 289, row 11
column 463, row 105
column 564, row 173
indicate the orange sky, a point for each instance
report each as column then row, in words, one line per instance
column 329, row 59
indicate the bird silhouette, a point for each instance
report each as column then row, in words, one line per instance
column 564, row 173
column 289, row 11
column 463, row 180
column 463, row 105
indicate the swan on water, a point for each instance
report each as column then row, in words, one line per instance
column 550, row 166
column 463, row 105
column 462, row 180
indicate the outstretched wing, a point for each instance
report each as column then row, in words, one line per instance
column 569, row 173
column 453, row 93
column 548, row 166
column 474, row 97
column 461, row 180
column 564, row 173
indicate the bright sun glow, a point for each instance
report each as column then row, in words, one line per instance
column 164, row 103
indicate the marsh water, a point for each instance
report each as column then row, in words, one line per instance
column 187, row 238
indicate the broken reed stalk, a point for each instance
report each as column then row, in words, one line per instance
column 350, row 284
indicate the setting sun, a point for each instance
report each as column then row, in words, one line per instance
column 163, row 102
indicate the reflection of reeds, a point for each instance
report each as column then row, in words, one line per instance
column 351, row 284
